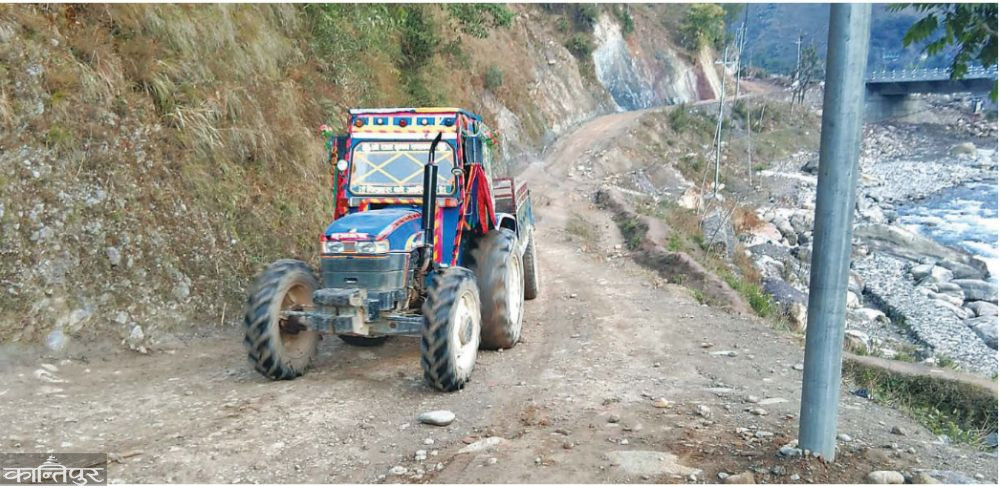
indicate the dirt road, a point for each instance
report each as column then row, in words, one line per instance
column 575, row 401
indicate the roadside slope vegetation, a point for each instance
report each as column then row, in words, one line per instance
column 153, row 157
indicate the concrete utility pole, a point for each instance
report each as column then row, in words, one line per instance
column 718, row 127
column 741, row 41
column 843, row 110
column 798, row 55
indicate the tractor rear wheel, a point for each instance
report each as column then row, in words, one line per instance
column 362, row 341
column 530, row 269
column 500, row 276
column 280, row 349
column 450, row 339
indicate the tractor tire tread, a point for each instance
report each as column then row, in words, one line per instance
column 259, row 340
column 435, row 354
column 489, row 260
column 530, row 262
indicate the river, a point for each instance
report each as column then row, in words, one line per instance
column 963, row 216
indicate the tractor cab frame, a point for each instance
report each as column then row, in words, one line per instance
column 422, row 236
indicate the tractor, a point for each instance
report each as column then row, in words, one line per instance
column 426, row 240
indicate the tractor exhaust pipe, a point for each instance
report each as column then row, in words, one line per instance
column 430, row 196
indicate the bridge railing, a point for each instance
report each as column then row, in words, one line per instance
column 929, row 74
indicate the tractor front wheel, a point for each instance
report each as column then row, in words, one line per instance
column 500, row 276
column 279, row 348
column 450, row 339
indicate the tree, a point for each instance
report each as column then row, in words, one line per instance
column 971, row 27
column 810, row 72
column 704, row 25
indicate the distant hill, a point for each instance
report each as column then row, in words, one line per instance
column 775, row 27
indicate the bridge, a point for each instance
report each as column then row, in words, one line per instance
column 888, row 92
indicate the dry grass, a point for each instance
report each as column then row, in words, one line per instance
column 745, row 219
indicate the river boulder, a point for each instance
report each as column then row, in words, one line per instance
column 981, row 308
column 900, row 242
column 986, row 328
column 978, row 290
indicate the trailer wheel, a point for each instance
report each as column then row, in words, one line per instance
column 362, row 341
column 530, row 269
column 280, row 349
column 450, row 339
column 500, row 276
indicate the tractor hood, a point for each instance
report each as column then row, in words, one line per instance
column 396, row 225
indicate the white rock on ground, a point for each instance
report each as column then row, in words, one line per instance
column 482, row 445
column 885, row 477
column 437, row 417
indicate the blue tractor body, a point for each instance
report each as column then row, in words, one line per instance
column 421, row 226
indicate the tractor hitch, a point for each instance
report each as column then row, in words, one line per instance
column 349, row 311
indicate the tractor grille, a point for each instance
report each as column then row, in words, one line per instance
column 372, row 272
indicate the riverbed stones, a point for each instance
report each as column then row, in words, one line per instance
column 964, row 148
column 938, row 275
column 982, row 308
column 922, row 271
column 900, row 242
column 986, row 328
column 978, row 290
column 937, row 326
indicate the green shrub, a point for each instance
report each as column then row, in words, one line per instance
column 675, row 243
column 759, row 300
column 493, row 79
column 580, row 45
column 679, row 118
column 584, row 15
column 476, row 19
column 961, row 411
column 59, row 137
column 628, row 24
column 704, row 25
column 419, row 39
column 453, row 49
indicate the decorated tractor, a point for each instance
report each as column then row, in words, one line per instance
column 425, row 241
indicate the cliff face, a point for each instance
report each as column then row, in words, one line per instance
column 643, row 70
column 154, row 157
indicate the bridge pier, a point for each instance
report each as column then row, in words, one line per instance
column 887, row 93
column 881, row 107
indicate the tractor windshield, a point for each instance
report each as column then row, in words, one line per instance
column 398, row 167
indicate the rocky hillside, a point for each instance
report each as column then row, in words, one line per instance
column 152, row 157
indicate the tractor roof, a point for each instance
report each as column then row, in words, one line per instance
column 415, row 111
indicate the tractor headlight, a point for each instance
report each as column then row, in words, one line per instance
column 333, row 247
column 372, row 246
